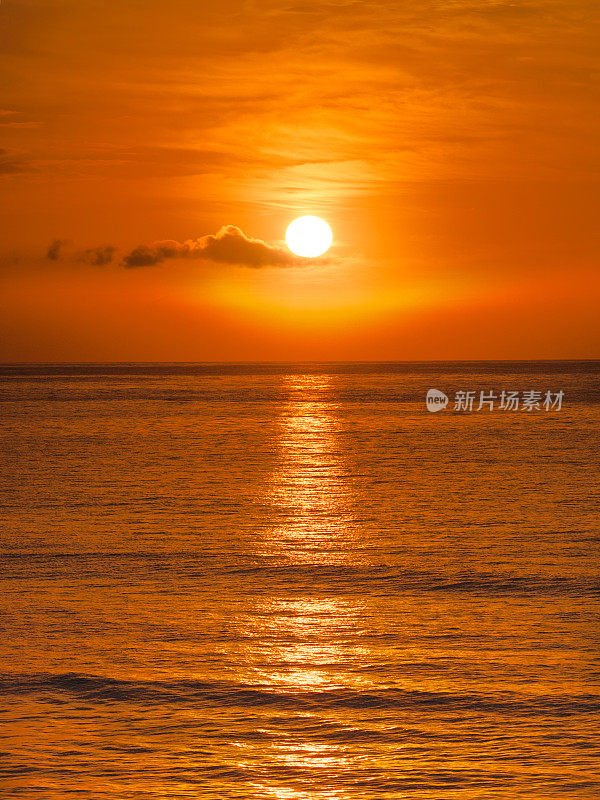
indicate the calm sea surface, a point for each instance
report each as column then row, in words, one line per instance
column 294, row 582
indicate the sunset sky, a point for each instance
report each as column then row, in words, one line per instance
column 451, row 145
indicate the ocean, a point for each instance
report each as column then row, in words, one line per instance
column 293, row 581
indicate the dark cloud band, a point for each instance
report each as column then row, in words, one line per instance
column 229, row 246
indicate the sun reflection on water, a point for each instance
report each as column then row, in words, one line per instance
column 301, row 634
column 309, row 490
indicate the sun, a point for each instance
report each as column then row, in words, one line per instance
column 309, row 236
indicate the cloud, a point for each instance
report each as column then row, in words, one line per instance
column 9, row 165
column 53, row 252
column 98, row 256
column 228, row 246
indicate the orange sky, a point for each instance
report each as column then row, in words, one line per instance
column 452, row 145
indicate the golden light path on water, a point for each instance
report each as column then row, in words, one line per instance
column 310, row 481
column 311, row 634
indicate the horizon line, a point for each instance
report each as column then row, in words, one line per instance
column 301, row 361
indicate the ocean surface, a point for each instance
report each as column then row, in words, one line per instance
column 293, row 581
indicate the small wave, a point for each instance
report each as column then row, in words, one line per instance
column 229, row 694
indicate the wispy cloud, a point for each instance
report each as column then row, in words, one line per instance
column 54, row 251
column 11, row 164
column 98, row 256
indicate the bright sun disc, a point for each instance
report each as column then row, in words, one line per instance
column 308, row 236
